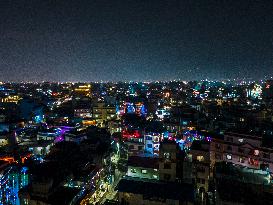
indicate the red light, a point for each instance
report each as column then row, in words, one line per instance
column 128, row 134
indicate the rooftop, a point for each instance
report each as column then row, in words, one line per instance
column 145, row 162
column 157, row 189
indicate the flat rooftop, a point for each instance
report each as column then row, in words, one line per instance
column 145, row 162
column 156, row 189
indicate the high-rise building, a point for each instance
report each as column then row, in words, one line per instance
column 83, row 90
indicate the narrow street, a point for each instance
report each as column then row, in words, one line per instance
column 106, row 192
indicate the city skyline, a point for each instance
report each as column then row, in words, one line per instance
column 136, row 102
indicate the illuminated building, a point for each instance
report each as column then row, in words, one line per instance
column 135, row 147
column 143, row 167
column 152, row 143
column 82, row 113
column 162, row 113
column 140, row 109
column 83, row 90
column 200, row 157
column 255, row 92
column 128, row 134
column 167, row 161
column 189, row 136
column 242, row 149
column 48, row 134
column 130, row 108
column 10, row 99
column 88, row 122
column 75, row 136
column 134, row 141
column 82, row 108
column 103, row 113
column 114, row 126
column 40, row 148
column 3, row 140
column 87, row 178
column 11, row 181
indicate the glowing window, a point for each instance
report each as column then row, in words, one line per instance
column 241, row 140
column 256, row 152
column 144, row 171
column 200, row 158
column 242, row 159
column 167, row 155
column 149, row 138
column 229, row 157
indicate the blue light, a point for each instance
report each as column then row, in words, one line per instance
column 24, row 170
column 131, row 108
column 142, row 110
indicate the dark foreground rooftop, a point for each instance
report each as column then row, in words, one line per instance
column 157, row 189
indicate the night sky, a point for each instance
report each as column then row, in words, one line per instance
column 118, row 40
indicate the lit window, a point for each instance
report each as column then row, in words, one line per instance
column 155, row 176
column 229, row 157
column 200, row 158
column 149, row 138
column 144, row 171
column 167, row 155
column 256, row 152
column 133, row 170
column 241, row 140
column 242, row 160
column 156, row 146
